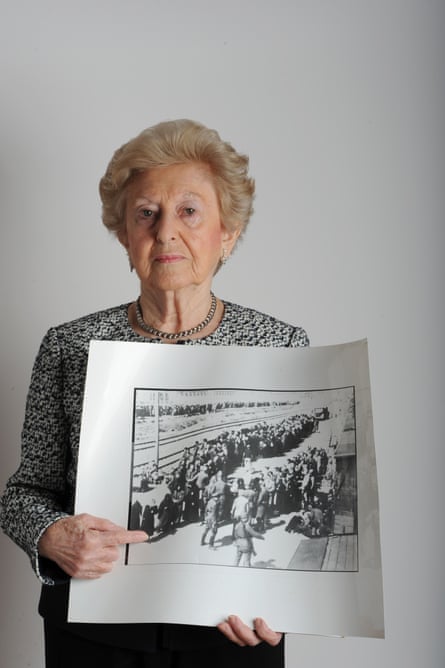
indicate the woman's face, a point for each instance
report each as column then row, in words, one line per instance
column 173, row 231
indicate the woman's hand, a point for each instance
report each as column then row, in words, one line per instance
column 85, row 546
column 236, row 631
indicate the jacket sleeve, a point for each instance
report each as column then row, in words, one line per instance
column 299, row 338
column 35, row 495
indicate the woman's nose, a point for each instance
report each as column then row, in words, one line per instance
column 166, row 226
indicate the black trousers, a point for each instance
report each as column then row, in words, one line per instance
column 64, row 649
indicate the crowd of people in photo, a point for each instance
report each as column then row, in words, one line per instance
column 231, row 449
column 201, row 487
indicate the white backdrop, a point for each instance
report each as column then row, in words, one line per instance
column 341, row 106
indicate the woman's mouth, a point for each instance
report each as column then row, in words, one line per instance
column 168, row 258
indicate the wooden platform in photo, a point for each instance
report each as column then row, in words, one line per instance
column 333, row 553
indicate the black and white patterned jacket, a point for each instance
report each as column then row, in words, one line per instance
column 42, row 490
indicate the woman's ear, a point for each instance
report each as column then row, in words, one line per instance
column 230, row 238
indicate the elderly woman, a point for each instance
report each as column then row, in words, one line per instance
column 178, row 199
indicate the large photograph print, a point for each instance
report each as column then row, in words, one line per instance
column 251, row 470
column 246, row 478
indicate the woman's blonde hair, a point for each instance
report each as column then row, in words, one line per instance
column 177, row 142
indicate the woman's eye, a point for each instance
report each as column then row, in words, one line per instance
column 146, row 216
column 189, row 210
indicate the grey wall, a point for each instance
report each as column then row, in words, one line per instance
column 341, row 106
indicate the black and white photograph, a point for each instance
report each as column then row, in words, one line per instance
column 250, row 471
column 245, row 477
